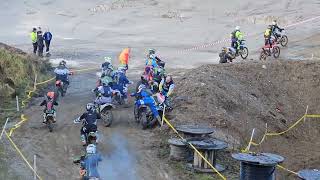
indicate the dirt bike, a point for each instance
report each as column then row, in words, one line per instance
column 105, row 111
column 267, row 51
column 49, row 116
column 61, row 87
column 243, row 51
column 143, row 115
column 282, row 38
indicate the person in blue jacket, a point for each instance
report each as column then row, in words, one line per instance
column 90, row 163
column 144, row 97
column 47, row 36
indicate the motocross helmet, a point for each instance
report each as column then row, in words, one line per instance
column 224, row 49
column 237, row 28
column 89, row 106
column 50, row 95
column 122, row 69
column 274, row 22
column 62, row 63
column 152, row 51
column 107, row 59
column 91, row 149
column 269, row 27
column 141, row 86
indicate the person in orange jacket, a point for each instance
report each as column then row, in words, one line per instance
column 124, row 58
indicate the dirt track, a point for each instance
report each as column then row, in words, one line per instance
column 170, row 26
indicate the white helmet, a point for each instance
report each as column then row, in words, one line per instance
column 274, row 22
column 141, row 86
column 121, row 69
column 107, row 59
column 237, row 28
column 89, row 106
column 91, row 149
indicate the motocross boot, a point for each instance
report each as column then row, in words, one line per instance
column 44, row 118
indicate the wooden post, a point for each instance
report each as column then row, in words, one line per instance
column 195, row 159
column 4, row 127
column 17, row 100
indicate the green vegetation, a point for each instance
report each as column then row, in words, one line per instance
column 17, row 73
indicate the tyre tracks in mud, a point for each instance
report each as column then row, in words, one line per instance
column 124, row 146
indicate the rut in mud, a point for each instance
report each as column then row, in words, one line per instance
column 124, row 146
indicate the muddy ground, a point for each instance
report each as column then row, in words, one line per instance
column 85, row 32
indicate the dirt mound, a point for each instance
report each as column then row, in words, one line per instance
column 235, row 98
column 18, row 70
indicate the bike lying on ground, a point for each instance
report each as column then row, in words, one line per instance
column 266, row 51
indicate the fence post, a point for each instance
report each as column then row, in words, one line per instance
column 4, row 127
column 251, row 138
column 35, row 167
column 17, row 100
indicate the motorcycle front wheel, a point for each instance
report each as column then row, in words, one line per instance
column 263, row 55
column 284, row 41
column 244, row 53
column 144, row 120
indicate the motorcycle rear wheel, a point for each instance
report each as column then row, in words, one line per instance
column 50, row 124
column 107, row 117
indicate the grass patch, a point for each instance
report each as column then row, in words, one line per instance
column 18, row 71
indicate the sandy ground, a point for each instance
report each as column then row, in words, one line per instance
column 86, row 31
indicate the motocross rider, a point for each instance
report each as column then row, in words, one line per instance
column 62, row 72
column 89, row 123
column 107, row 64
column 89, row 166
column 227, row 53
column 107, row 71
column 236, row 38
column 120, row 83
column 104, row 94
column 275, row 28
column 268, row 37
column 144, row 97
column 153, row 60
column 49, row 98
